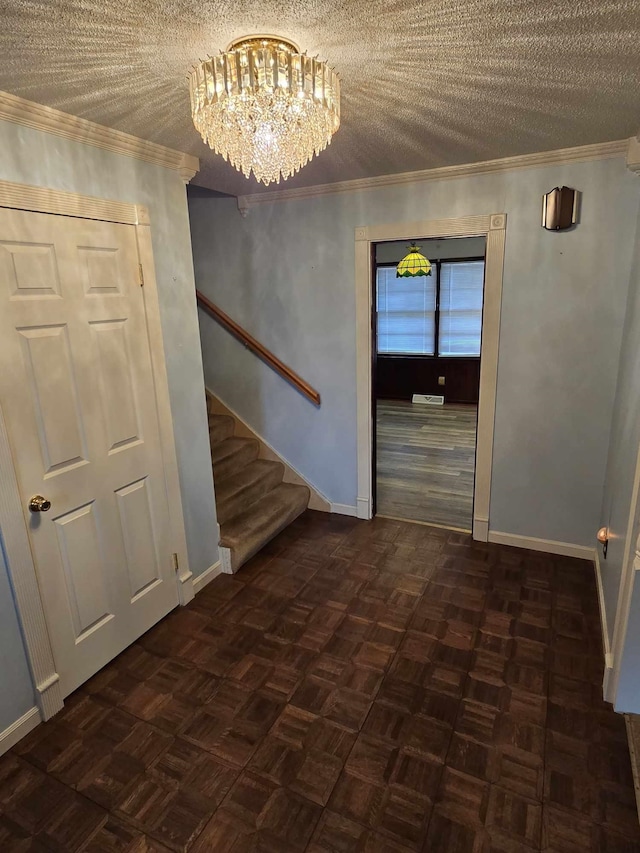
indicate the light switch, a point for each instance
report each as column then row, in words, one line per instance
column 440, row 380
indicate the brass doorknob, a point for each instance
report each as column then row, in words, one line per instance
column 39, row 504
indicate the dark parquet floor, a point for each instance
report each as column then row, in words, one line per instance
column 357, row 686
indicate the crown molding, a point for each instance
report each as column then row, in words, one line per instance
column 633, row 155
column 561, row 156
column 29, row 114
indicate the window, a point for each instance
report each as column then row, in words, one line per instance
column 460, row 307
column 440, row 313
column 406, row 313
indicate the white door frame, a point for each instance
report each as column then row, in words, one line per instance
column 493, row 227
column 20, row 566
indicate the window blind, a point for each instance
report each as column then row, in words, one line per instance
column 406, row 313
column 461, row 288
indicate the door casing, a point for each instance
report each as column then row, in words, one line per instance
column 15, row 540
column 493, row 227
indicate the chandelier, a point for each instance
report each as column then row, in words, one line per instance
column 264, row 106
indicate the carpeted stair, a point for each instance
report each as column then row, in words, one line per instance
column 252, row 501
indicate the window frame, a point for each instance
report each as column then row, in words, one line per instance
column 435, row 265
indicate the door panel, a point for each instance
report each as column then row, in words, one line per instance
column 58, row 420
column 35, row 270
column 82, row 559
column 116, row 384
column 79, row 400
column 134, row 507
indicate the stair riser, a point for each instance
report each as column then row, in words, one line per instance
column 239, row 556
column 219, row 429
column 245, row 454
column 238, row 502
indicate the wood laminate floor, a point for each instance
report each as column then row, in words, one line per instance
column 375, row 687
column 425, row 462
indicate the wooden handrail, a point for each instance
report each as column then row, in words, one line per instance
column 256, row 347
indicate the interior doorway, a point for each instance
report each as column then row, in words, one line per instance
column 426, row 351
column 90, row 511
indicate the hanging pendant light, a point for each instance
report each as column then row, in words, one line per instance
column 413, row 264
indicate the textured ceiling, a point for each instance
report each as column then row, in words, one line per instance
column 427, row 84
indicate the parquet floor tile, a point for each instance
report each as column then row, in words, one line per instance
column 374, row 687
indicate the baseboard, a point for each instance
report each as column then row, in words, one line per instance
column 317, row 500
column 206, row 577
column 549, row 546
column 363, row 508
column 480, row 529
column 16, row 731
column 345, row 509
column 185, row 588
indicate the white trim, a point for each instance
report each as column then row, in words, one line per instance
column 481, row 529
column 548, row 546
column 630, row 564
column 363, row 508
column 63, row 203
column 559, row 157
column 606, row 646
column 225, row 560
column 317, row 500
column 344, row 509
column 20, row 566
column 49, row 120
column 16, row 731
column 165, row 418
column 493, row 226
column 206, row 577
column 633, row 155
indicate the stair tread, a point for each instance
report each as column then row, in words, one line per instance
column 248, row 531
column 224, row 449
column 237, row 492
column 247, row 476
column 220, row 428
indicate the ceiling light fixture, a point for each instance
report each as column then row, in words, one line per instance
column 266, row 107
column 413, row 264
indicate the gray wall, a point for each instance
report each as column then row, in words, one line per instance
column 31, row 157
column 286, row 273
column 623, row 456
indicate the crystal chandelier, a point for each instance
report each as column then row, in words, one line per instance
column 266, row 107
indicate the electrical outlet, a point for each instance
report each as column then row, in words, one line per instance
column 440, row 380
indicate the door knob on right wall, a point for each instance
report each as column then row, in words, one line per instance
column 603, row 537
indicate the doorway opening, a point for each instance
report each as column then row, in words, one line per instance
column 426, row 349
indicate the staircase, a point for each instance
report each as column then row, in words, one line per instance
column 252, row 501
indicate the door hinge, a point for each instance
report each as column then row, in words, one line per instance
column 176, row 564
column 141, row 275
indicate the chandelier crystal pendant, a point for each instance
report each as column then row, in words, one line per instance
column 264, row 106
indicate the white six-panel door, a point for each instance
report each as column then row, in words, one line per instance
column 77, row 390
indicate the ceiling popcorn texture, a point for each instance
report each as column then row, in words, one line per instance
column 424, row 85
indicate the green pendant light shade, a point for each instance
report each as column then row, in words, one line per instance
column 413, row 264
